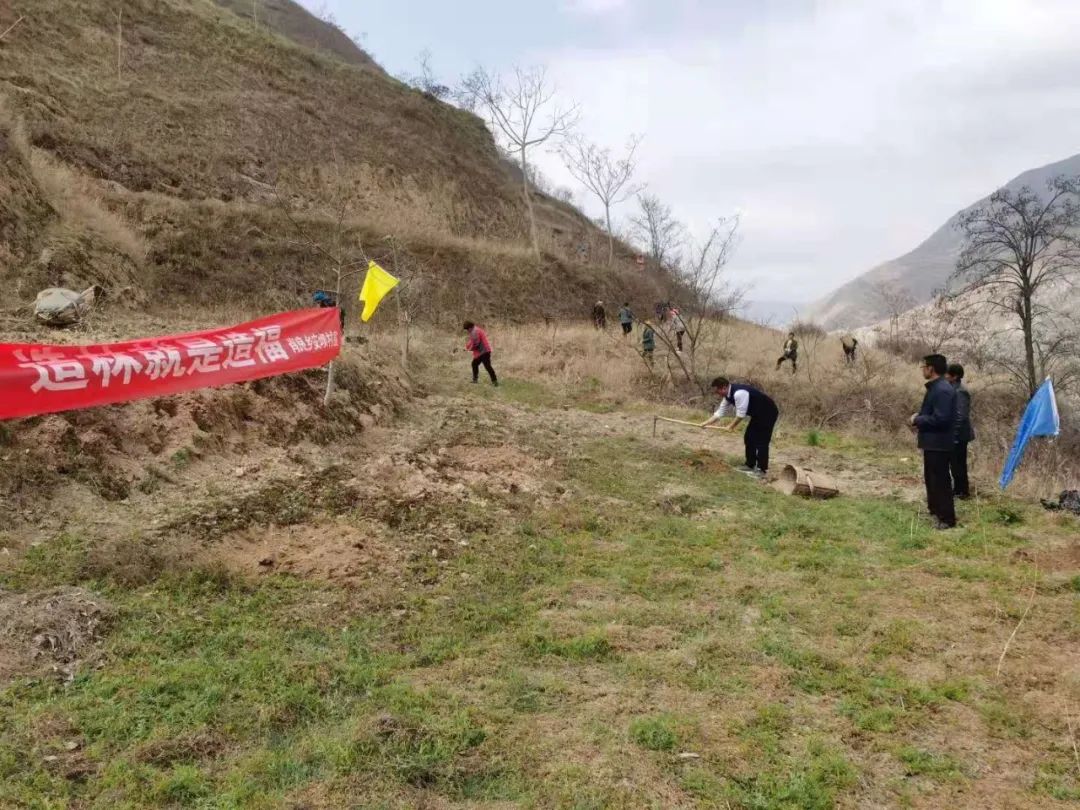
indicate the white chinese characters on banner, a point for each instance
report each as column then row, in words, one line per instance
column 313, row 343
column 187, row 356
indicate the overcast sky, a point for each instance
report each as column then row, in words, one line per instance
column 843, row 131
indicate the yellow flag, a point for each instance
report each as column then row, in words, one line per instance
column 377, row 283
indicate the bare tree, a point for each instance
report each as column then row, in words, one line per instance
column 342, row 250
column 707, row 297
column 656, row 227
column 948, row 321
column 896, row 299
column 411, row 294
column 425, row 81
column 605, row 175
column 523, row 110
column 1018, row 245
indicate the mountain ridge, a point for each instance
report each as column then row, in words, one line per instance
column 919, row 272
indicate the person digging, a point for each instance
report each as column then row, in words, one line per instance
column 480, row 346
column 790, row 352
column 747, row 402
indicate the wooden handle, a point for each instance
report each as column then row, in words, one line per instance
column 681, row 422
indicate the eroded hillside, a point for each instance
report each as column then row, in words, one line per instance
column 182, row 152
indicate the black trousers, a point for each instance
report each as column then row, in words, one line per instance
column 794, row 358
column 627, row 327
column 678, row 340
column 485, row 361
column 757, row 438
column 939, row 494
column 959, row 466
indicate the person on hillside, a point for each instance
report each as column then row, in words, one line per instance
column 965, row 433
column 648, row 342
column 678, row 326
column 599, row 315
column 790, row 352
column 850, row 344
column 935, row 424
column 747, row 402
column 325, row 299
column 626, row 319
column 480, row 346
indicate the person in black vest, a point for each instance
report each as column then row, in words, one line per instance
column 965, row 433
column 935, row 424
column 747, row 402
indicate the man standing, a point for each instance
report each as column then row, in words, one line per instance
column 748, row 402
column 480, row 347
column 626, row 319
column 678, row 326
column 850, row 345
column 599, row 315
column 791, row 352
column 648, row 342
column 935, row 424
column 965, row 433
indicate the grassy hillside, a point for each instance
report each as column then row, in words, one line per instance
column 198, row 132
column 520, row 597
column 294, row 22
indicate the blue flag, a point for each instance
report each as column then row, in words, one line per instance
column 1040, row 419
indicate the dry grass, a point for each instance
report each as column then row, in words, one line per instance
column 870, row 399
column 81, row 205
column 180, row 160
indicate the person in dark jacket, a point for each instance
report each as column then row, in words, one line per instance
column 626, row 319
column 965, row 433
column 744, row 402
column 599, row 315
column 790, row 352
column 935, row 424
column 648, row 342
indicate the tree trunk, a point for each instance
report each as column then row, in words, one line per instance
column 1029, row 344
column 610, row 236
column 119, row 44
column 403, row 317
column 528, row 205
column 330, row 368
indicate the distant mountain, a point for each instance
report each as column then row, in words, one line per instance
column 771, row 312
column 920, row 272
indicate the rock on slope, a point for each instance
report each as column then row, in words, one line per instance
column 920, row 272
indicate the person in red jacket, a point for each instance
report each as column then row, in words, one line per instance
column 480, row 347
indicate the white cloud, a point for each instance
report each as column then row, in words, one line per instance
column 593, row 7
column 845, row 131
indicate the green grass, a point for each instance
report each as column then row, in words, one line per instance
column 654, row 733
column 595, row 639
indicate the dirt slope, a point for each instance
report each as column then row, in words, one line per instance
column 174, row 157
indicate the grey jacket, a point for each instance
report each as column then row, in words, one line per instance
column 964, row 431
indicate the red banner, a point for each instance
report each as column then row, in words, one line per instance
column 36, row 379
